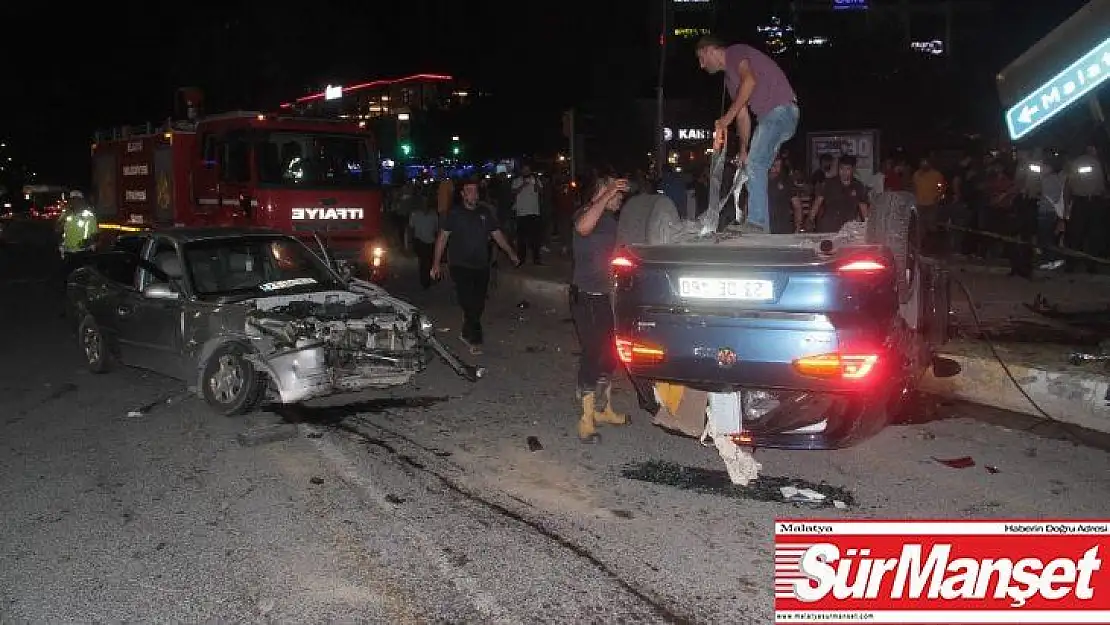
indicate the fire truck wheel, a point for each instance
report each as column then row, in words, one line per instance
column 98, row 354
column 230, row 383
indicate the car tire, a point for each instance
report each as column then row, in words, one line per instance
column 229, row 383
column 648, row 219
column 98, row 353
column 892, row 221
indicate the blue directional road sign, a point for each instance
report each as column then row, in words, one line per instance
column 1055, row 95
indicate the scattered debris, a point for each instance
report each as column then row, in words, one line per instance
column 709, row 482
column 394, row 499
column 534, row 444
column 622, row 514
column 315, row 435
column 957, row 463
column 317, row 480
column 440, row 453
column 524, row 305
column 991, row 469
column 792, row 494
column 839, row 505
column 161, row 401
column 535, row 349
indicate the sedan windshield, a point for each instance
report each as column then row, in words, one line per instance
column 307, row 160
column 251, row 266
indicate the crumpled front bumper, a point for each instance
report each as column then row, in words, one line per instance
column 304, row 373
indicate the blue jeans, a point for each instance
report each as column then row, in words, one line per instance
column 774, row 129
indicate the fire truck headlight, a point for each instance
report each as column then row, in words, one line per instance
column 1035, row 168
column 1086, row 169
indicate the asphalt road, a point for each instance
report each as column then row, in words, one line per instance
column 126, row 500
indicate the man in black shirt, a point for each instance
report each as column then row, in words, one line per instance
column 594, row 242
column 840, row 199
column 469, row 227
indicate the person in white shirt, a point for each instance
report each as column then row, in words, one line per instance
column 526, row 207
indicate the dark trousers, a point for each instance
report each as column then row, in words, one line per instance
column 471, row 286
column 1024, row 224
column 529, row 236
column 425, row 253
column 1087, row 231
column 593, row 322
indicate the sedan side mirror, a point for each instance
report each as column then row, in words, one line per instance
column 160, row 290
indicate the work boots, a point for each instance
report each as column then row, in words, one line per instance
column 587, row 430
column 603, row 406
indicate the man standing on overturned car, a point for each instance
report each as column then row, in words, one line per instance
column 469, row 227
column 593, row 245
column 757, row 85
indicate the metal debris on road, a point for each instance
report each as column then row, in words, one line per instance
column 709, row 482
column 991, row 469
column 317, row 480
column 791, row 494
column 534, row 444
column 394, row 499
column 957, row 463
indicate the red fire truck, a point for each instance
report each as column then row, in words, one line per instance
column 305, row 177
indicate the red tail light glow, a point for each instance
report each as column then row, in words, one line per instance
column 865, row 265
column 637, row 353
column 621, row 262
column 844, row 366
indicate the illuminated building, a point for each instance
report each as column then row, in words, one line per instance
column 384, row 98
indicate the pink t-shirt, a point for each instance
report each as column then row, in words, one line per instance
column 772, row 88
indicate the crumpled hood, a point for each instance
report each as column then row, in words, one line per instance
column 360, row 290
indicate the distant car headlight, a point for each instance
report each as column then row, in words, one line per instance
column 377, row 256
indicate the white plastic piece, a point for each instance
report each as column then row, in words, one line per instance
column 740, row 463
column 723, row 420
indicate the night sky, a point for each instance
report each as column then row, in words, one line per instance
column 72, row 70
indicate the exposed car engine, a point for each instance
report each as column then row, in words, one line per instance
column 344, row 343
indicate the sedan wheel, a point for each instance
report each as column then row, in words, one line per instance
column 98, row 357
column 230, row 383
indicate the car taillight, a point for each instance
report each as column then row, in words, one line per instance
column 863, row 266
column 837, row 365
column 622, row 269
column 639, row 353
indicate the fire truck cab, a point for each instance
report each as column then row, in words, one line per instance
column 304, row 177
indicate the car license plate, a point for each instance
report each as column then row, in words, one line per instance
column 724, row 289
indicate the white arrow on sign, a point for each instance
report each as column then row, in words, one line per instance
column 1027, row 114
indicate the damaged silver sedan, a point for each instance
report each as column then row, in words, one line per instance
column 244, row 314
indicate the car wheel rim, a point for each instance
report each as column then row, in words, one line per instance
column 227, row 381
column 92, row 345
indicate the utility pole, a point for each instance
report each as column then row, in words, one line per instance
column 660, row 141
column 573, row 148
